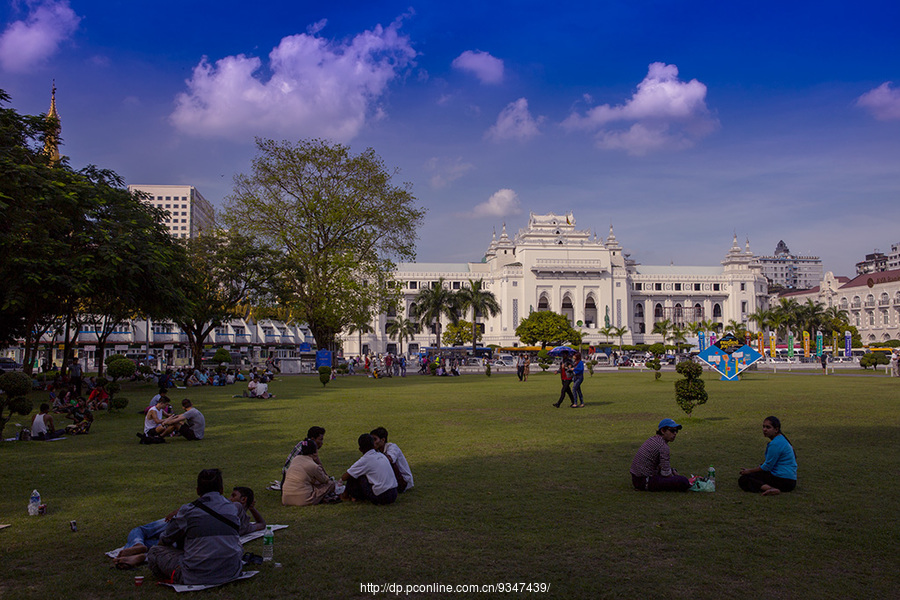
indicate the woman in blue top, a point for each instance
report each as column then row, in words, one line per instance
column 779, row 472
column 578, row 379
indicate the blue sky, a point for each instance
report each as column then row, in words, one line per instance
column 680, row 123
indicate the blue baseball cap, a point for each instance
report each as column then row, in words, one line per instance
column 669, row 423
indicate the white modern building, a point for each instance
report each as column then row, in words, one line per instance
column 551, row 265
column 791, row 271
column 189, row 213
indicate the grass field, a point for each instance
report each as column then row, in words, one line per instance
column 508, row 489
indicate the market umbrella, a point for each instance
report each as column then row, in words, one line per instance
column 559, row 350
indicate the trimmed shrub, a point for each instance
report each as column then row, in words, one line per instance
column 113, row 358
column 487, row 370
column 123, row 367
column 15, row 385
column 324, row 375
column 656, row 366
column 222, row 356
column 118, row 403
column 690, row 392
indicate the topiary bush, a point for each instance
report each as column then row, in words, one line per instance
column 544, row 359
column 590, row 365
column 15, row 385
column 222, row 356
column 124, row 367
column 487, row 369
column 324, row 375
column 113, row 358
column 118, row 403
column 690, row 392
column 656, row 366
column 873, row 359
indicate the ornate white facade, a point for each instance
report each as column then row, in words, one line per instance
column 551, row 265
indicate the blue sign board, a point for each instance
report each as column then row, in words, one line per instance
column 847, row 342
column 323, row 358
column 730, row 364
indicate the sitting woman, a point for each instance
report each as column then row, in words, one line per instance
column 779, row 471
column 99, row 399
column 306, row 482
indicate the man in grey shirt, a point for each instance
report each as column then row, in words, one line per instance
column 200, row 545
column 193, row 425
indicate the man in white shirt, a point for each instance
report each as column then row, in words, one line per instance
column 395, row 455
column 154, row 422
column 371, row 477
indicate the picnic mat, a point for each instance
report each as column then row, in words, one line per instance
column 244, row 539
column 181, row 587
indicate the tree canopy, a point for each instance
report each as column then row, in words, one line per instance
column 547, row 329
column 336, row 218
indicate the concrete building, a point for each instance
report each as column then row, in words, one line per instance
column 789, row 270
column 551, row 265
column 873, row 263
column 189, row 213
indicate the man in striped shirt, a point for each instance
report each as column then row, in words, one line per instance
column 651, row 470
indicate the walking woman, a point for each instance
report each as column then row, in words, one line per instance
column 577, row 380
column 565, row 376
column 779, row 471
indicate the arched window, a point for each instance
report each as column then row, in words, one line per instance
column 658, row 311
column 544, row 302
column 717, row 311
column 845, row 303
column 639, row 311
column 567, row 310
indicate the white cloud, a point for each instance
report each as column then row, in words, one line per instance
column 515, row 123
column 26, row 44
column 446, row 171
column 317, row 87
column 502, row 203
column 883, row 102
column 487, row 68
column 664, row 112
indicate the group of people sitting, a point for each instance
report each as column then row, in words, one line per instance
column 200, row 543
column 160, row 423
column 381, row 473
column 652, row 471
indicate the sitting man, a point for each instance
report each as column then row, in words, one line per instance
column 371, row 477
column 155, row 422
column 395, row 455
column 262, row 389
column 650, row 469
column 42, row 425
column 193, row 425
column 251, row 387
column 141, row 539
column 200, row 544
column 163, row 392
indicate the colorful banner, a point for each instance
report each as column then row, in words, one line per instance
column 819, row 343
column 791, row 345
column 728, row 359
column 847, row 341
column 772, row 339
column 701, row 340
column 759, row 343
column 835, row 344
column 805, row 344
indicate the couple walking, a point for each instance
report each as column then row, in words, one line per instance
column 571, row 373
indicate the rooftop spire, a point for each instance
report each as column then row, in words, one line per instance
column 51, row 142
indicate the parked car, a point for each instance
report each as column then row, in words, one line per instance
column 474, row 362
column 504, row 363
column 8, row 364
column 508, row 359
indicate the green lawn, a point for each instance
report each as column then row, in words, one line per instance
column 508, row 489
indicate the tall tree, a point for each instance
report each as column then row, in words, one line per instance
column 618, row 332
column 481, row 301
column 547, row 329
column 401, row 329
column 224, row 270
column 432, row 303
column 336, row 214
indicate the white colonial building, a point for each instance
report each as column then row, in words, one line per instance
column 551, row 265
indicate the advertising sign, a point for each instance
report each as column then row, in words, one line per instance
column 819, row 344
column 806, row 344
column 791, row 345
column 323, row 358
column 772, row 340
column 847, row 340
column 701, row 341
column 759, row 343
column 729, row 358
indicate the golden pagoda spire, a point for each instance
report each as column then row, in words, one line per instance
column 51, row 142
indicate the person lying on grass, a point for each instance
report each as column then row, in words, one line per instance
column 651, row 470
column 779, row 471
column 142, row 539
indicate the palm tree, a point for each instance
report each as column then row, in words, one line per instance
column 401, row 328
column 432, row 303
column 738, row 330
column 663, row 328
column 481, row 301
column 618, row 332
column 788, row 310
column 361, row 327
column 607, row 331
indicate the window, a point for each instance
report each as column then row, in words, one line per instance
column 743, row 287
column 638, row 287
column 455, row 285
column 717, row 311
column 743, row 306
column 168, row 198
column 696, row 287
column 657, row 287
column 716, row 287
column 618, row 284
column 413, row 285
column 515, row 284
column 168, row 206
column 871, row 319
column 658, row 311
column 677, row 287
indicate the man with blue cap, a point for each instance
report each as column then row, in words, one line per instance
column 651, row 470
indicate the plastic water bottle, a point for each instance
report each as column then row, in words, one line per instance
column 711, row 475
column 268, row 543
column 34, row 503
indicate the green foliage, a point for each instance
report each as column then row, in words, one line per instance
column 102, row 381
column 690, row 392
column 324, row 374
column 657, row 349
column 113, row 388
column 656, row 366
column 120, row 368
column 337, row 222
column 547, row 329
column 590, row 365
column 873, row 359
column 433, row 302
column 487, row 369
column 113, row 358
column 15, row 385
column 342, row 369
column 222, row 356
column 145, row 369
column 459, row 334
column 544, row 359
column 481, row 301
column 118, row 403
